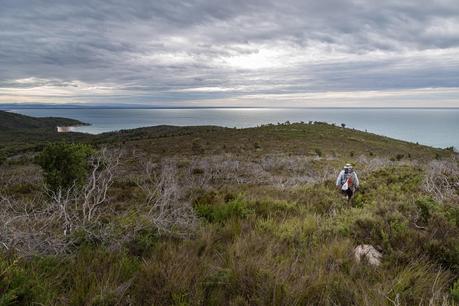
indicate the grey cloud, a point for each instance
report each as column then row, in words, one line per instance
column 160, row 49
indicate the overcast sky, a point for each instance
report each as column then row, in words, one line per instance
column 231, row 53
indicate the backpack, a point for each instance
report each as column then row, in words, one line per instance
column 348, row 180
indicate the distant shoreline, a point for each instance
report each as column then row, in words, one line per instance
column 70, row 128
column 17, row 107
column 434, row 127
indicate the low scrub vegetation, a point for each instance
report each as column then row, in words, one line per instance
column 135, row 227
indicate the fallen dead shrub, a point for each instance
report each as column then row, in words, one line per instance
column 442, row 179
column 169, row 210
column 47, row 224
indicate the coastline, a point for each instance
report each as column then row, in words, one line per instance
column 65, row 129
column 69, row 128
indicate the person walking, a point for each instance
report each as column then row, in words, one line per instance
column 347, row 181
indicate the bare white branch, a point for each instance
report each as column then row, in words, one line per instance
column 170, row 212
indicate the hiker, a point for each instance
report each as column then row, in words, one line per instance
column 347, row 181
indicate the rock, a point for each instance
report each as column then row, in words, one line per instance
column 368, row 253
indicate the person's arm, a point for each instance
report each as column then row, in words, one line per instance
column 357, row 182
column 338, row 179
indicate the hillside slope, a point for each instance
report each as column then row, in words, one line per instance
column 219, row 216
column 297, row 138
column 13, row 121
column 19, row 133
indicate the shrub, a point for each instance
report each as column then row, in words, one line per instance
column 197, row 148
column 293, row 230
column 2, row 158
column 143, row 242
column 64, row 164
column 12, row 283
column 455, row 291
column 367, row 229
column 19, row 286
column 222, row 212
column 197, row 171
column 318, row 152
column 425, row 206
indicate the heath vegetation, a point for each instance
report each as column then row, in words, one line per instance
column 215, row 216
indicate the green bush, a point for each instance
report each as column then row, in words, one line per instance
column 143, row 242
column 21, row 286
column 455, row 291
column 222, row 212
column 64, row 164
column 293, row 230
column 318, row 152
column 426, row 207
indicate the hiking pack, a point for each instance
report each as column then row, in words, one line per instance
column 347, row 179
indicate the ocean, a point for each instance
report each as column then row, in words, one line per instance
column 433, row 127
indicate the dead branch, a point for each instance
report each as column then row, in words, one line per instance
column 94, row 193
column 170, row 212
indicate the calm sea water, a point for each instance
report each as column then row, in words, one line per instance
column 434, row 127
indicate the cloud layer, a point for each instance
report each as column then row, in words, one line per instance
column 240, row 52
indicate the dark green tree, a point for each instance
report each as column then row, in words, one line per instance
column 65, row 164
